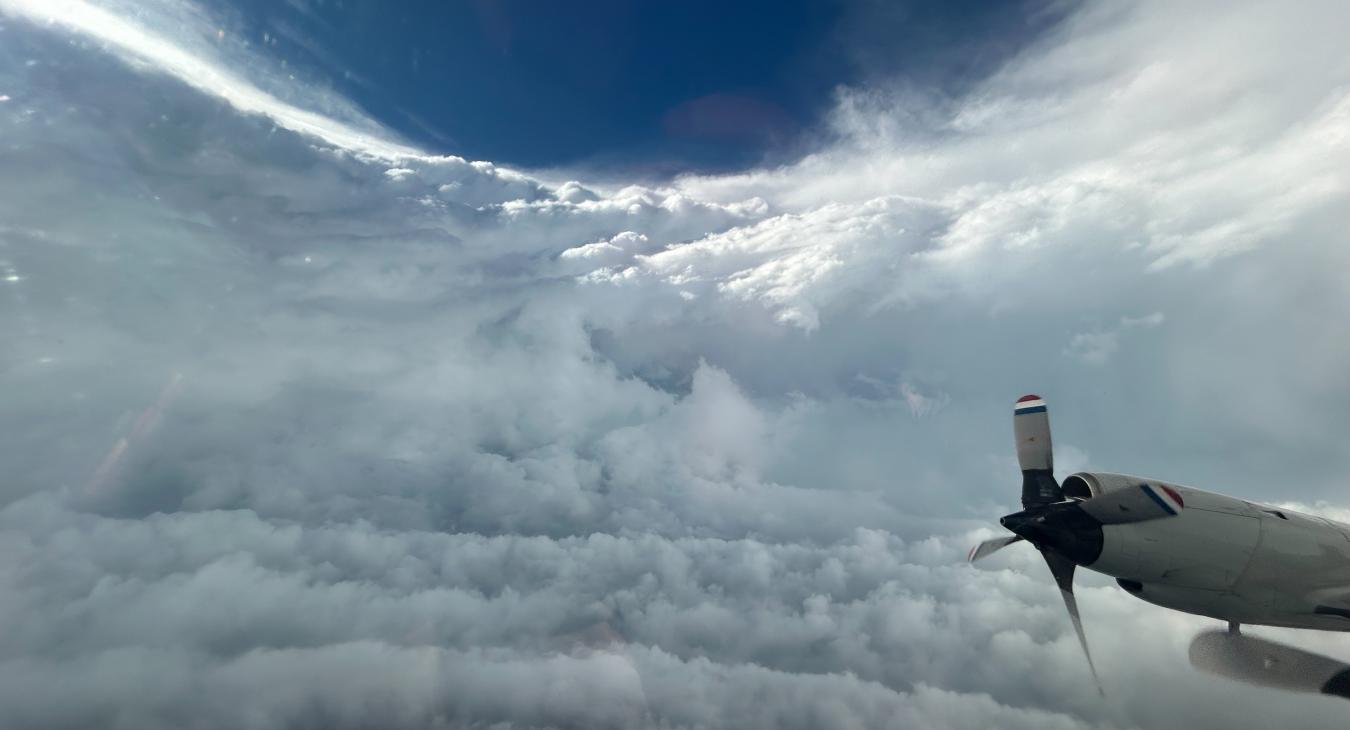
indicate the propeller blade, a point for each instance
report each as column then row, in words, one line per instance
column 989, row 547
column 1031, row 429
column 1139, row 503
column 1062, row 568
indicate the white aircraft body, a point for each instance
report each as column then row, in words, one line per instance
column 1177, row 546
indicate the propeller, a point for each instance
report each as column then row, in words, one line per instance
column 1068, row 531
column 989, row 547
column 1061, row 529
column 1062, row 568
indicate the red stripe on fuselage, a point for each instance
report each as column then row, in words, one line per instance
column 1173, row 494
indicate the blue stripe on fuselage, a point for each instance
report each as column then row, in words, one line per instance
column 1025, row 411
column 1149, row 491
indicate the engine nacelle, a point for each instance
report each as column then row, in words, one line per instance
column 1206, row 546
column 1086, row 485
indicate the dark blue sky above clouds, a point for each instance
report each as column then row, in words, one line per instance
column 649, row 86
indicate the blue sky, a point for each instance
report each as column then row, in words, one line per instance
column 653, row 86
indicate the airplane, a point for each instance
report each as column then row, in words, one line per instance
column 1175, row 546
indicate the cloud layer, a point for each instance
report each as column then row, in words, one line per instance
column 309, row 428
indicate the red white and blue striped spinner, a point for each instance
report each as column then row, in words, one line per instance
column 1028, row 404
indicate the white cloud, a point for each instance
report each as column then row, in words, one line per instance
column 794, row 263
column 1097, row 346
column 617, row 249
column 122, row 31
column 456, row 445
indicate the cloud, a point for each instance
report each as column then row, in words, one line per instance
column 1097, row 346
column 135, row 32
column 789, row 262
column 384, row 438
column 615, row 250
